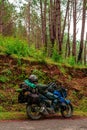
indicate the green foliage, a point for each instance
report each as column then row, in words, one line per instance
column 3, row 78
column 71, row 61
column 62, row 70
column 14, row 46
column 83, row 104
column 1, row 109
column 56, row 57
column 19, row 48
column 37, row 54
column 41, row 76
column 21, row 76
column 79, row 101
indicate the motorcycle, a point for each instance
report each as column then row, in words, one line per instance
column 45, row 101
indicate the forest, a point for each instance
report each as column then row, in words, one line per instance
column 47, row 38
column 54, row 29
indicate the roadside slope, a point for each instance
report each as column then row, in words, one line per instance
column 13, row 71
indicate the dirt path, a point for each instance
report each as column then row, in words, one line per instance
column 45, row 124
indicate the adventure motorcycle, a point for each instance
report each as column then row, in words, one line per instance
column 45, row 101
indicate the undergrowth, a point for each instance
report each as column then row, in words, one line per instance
column 20, row 48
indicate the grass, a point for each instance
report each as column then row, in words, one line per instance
column 23, row 116
column 3, row 78
column 12, row 115
column 80, row 113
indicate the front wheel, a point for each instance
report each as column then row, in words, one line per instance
column 33, row 111
column 67, row 110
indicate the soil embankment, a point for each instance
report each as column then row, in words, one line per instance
column 13, row 71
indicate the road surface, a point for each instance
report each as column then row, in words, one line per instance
column 57, row 123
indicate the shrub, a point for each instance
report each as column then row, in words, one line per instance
column 56, row 57
column 71, row 60
column 15, row 46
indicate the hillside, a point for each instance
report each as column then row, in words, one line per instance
column 13, row 71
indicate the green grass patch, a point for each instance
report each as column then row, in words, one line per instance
column 22, row 115
column 12, row 115
column 3, row 78
column 80, row 113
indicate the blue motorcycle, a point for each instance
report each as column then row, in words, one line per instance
column 45, row 101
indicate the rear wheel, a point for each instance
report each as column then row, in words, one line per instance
column 33, row 111
column 67, row 110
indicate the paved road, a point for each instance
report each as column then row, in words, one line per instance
column 45, row 124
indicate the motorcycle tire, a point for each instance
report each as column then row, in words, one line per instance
column 67, row 111
column 33, row 111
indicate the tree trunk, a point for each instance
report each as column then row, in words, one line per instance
column 68, row 39
column 67, row 9
column 74, row 29
column 82, row 31
column 44, row 22
column 1, row 16
column 85, row 50
column 58, row 14
column 42, row 35
column 28, row 23
column 52, row 23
